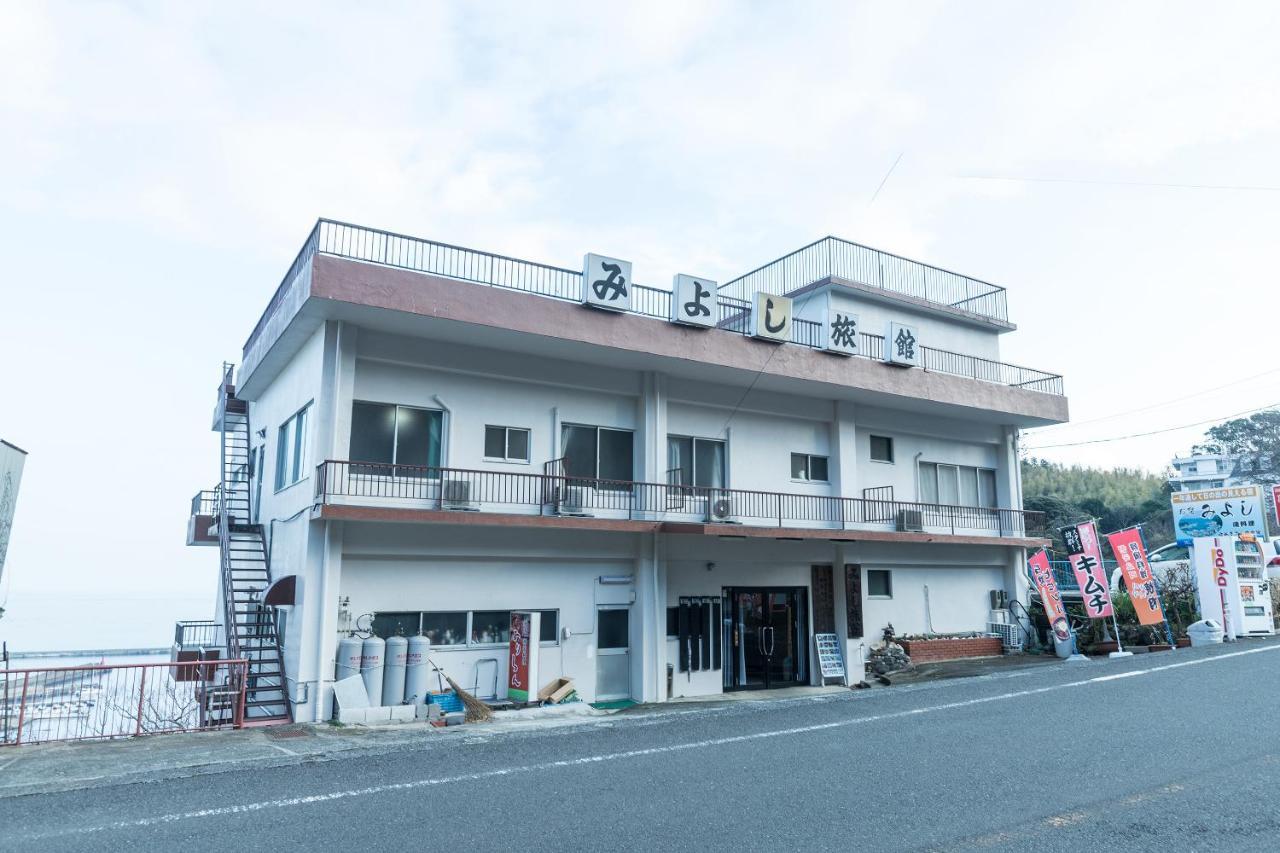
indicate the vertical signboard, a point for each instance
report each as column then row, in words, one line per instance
column 1085, row 553
column 1042, row 575
column 522, row 664
column 1218, row 582
column 1275, row 503
column 772, row 318
column 902, row 344
column 1132, row 558
column 693, row 301
column 12, row 460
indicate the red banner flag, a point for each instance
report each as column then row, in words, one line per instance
column 1085, row 553
column 1042, row 574
column 1132, row 557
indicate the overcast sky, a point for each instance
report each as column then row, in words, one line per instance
column 1113, row 165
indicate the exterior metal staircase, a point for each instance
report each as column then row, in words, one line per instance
column 246, row 572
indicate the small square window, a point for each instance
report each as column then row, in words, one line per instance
column 807, row 467
column 879, row 583
column 509, row 444
column 881, row 448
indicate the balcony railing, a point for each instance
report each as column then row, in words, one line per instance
column 197, row 633
column 205, row 502
column 829, row 256
column 464, row 489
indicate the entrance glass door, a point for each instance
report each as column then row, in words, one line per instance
column 767, row 636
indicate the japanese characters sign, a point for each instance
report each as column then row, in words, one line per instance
column 1085, row 553
column 842, row 332
column 1042, row 575
column 1275, row 503
column 772, row 320
column 606, row 283
column 902, row 344
column 522, row 662
column 693, row 301
column 1132, row 557
column 1218, row 512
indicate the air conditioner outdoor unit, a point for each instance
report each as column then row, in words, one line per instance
column 574, row 500
column 910, row 521
column 456, row 494
column 720, row 509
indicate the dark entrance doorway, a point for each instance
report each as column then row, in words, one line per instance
column 766, row 637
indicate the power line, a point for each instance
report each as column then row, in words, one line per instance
column 885, row 179
column 1015, row 179
column 1160, row 405
column 1156, row 431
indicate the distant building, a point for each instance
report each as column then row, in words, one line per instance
column 688, row 486
column 1202, row 471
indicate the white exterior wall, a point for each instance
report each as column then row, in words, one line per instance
column 385, row 567
column 874, row 317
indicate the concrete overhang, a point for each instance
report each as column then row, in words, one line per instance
column 448, row 310
column 343, row 512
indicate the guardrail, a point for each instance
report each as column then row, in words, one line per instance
column 826, row 257
column 103, row 702
column 339, row 481
column 835, row 257
column 197, row 633
column 205, row 502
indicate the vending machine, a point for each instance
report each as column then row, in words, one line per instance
column 1231, row 584
column 1255, row 588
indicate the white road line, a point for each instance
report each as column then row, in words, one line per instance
column 282, row 749
column 248, row 808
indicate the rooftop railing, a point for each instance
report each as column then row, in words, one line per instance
column 834, row 257
column 829, row 256
column 464, row 489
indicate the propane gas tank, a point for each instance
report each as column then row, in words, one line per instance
column 393, row 679
column 415, row 682
column 348, row 662
column 372, row 652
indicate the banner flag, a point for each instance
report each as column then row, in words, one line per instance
column 1042, row 574
column 1085, row 553
column 1132, row 557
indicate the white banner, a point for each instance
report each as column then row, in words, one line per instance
column 1218, row 582
column 11, row 461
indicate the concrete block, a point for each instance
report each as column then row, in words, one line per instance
column 353, row 716
column 402, row 714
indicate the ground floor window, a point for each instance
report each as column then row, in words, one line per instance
column 879, row 583
column 461, row 628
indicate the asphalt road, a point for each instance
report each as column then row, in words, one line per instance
column 1172, row 751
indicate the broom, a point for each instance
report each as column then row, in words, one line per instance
column 476, row 711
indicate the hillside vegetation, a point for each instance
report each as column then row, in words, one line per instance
column 1118, row 498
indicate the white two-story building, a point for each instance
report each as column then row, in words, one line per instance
column 688, row 486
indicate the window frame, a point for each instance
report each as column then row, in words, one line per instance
column 596, row 481
column 927, row 466
column 871, row 453
column 808, row 468
column 888, row 576
column 394, row 463
column 693, row 461
column 293, row 446
column 506, row 445
column 468, row 643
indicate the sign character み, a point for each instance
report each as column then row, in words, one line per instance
column 612, row 288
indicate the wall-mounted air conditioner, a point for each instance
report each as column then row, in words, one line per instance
column 456, row 494
column 910, row 521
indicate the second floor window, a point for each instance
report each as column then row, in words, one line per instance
column 291, row 449
column 396, row 435
column 696, row 462
column 597, row 453
column 957, row 485
column 805, row 466
column 506, row 444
